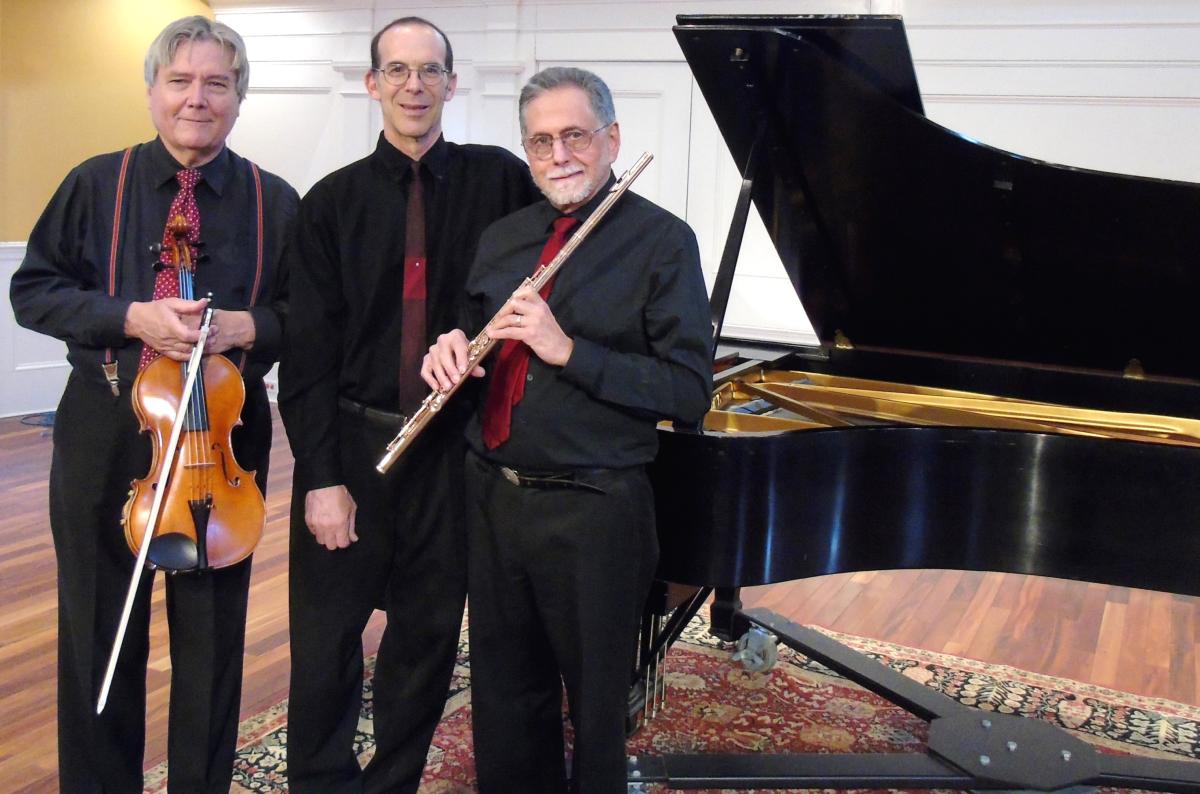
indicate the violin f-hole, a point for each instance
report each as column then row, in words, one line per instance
column 233, row 478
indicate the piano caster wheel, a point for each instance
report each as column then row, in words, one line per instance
column 757, row 650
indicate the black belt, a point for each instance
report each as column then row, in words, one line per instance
column 574, row 480
column 376, row 415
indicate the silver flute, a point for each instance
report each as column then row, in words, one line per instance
column 482, row 344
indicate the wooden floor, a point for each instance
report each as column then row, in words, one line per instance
column 1132, row 640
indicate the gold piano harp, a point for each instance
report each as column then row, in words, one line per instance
column 482, row 344
column 809, row 400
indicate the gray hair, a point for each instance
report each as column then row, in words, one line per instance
column 190, row 29
column 599, row 97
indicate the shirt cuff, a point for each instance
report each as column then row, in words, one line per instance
column 314, row 475
column 586, row 365
column 268, row 334
column 110, row 320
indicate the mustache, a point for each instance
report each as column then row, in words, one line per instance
column 564, row 171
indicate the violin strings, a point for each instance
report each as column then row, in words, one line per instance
column 197, row 418
column 204, row 439
column 185, row 292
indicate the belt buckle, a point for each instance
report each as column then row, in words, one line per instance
column 511, row 475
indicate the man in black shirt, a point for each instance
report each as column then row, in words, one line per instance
column 381, row 256
column 559, row 510
column 89, row 280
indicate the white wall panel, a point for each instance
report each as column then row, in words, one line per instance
column 275, row 125
column 1101, row 84
column 307, row 111
column 1155, row 139
column 33, row 367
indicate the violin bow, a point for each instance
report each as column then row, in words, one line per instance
column 160, row 491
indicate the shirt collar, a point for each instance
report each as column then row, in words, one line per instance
column 163, row 167
column 398, row 165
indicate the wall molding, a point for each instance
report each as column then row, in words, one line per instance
column 351, row 68
column 34, row 366
column 1158, row 24
column 1044, row 99
column 499, row 67
column 288, row 89
column 1060, row 63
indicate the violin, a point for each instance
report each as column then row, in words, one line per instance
column 196, row 508
column 212, row 513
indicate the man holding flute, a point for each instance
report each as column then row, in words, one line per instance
column 560, row 514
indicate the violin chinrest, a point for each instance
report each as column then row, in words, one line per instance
column 173, row 551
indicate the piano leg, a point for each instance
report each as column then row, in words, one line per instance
column 968, row 748
column 725, row 623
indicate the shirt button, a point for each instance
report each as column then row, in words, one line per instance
column 529, row 377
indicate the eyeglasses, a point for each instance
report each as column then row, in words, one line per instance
column 541, row 146
column 397, row 73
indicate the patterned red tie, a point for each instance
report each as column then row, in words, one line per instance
column 412, row 312
column 166, row 282
column 512, row 364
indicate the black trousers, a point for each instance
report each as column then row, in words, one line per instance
column 97, row 452
column 558, row 579
column 410, row 561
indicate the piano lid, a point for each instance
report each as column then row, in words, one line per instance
column 901, row 235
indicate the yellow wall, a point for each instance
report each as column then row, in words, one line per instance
column 71, row 74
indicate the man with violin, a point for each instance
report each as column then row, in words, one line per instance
column 103, row 273
column 377, row 271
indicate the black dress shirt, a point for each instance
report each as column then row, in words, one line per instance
column 61, row 287
column 632, row 298
column 347, row 278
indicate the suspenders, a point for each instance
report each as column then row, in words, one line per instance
column 110, row 360
column 258, row 267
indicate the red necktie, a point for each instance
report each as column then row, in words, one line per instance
column 412, row 312
column 166, row 282
column 512, row 364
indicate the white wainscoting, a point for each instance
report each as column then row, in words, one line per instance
column 34, row 366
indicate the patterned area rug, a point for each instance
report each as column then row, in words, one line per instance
column 799, row 706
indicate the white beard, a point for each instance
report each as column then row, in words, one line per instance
column 563, row 196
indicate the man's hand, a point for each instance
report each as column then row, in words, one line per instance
column 527, row 318
column 169, row 325
column 446, row 362
column 230, row 330
column 329, row 513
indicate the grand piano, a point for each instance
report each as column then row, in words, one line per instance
column 1007, row 380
